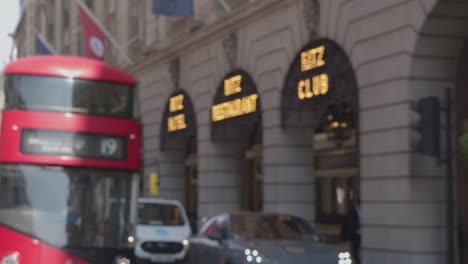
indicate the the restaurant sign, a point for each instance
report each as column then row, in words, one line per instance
column 178, row 119
column 319, row 76
column 236, row 97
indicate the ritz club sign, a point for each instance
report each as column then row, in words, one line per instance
column 320, row 76
column 314, row 80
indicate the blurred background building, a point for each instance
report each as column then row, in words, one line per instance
column 57, row 23
column 292, row 143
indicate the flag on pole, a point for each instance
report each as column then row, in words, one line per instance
column 173, row 7
column 94, row 36
column 42, row 46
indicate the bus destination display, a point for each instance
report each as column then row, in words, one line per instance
column 74, row 144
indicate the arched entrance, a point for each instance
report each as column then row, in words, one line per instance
column 252, row 178
column 236, row 118
column 320, row 95
column 178, row 139
column 191, row 181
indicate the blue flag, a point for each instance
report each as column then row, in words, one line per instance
column 173, row 7
column 42, row 47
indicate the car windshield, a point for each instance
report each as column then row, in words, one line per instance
column 272, row 227
column 68, row 207
column 42, row 93
column 160, row 214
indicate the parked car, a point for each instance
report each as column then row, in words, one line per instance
column 162, row 232
column 243, row 237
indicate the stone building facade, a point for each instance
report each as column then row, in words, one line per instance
column 228, row 124
column 398, row 51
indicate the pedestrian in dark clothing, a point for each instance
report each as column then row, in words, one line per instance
column 352, row 232
column 193, row 222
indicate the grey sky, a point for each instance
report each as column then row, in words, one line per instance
column 9, row 16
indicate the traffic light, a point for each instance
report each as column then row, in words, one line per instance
column 428, row 126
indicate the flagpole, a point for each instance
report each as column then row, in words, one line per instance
column 224, row 5
column 39, row 35
column 101, row 26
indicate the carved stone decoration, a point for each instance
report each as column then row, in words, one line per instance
column 174, row 70
column 311, row 12
column 230, row 50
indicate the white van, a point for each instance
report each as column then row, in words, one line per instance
column 163, row 231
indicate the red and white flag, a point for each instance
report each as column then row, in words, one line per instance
column 95, row 38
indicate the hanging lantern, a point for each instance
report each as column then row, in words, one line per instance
column 339, row 124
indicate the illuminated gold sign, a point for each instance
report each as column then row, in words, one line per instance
column 237, row 96
column 234, row 108
column 176, row 103
column 232, row 85
column 313, row 58
column 316, row 84
column 176, row 122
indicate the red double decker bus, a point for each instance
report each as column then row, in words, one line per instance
column 69, row 162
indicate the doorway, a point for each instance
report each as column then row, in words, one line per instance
column 337, row 185
column 252, row 175
column 191, row 184
column 253, row 179
column 336, row 162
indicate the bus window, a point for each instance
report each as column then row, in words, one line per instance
column 41, row 93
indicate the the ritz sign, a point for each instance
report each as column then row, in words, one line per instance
column 176, row 122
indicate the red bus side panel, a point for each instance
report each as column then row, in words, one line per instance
column 14, row 121
column 31, row 251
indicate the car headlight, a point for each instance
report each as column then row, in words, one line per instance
column 185, row 242
column 253, row 256
column 121, row 260
column 344, row 258
column 10, row 259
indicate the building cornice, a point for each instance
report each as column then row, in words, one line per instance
column 222, row 28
